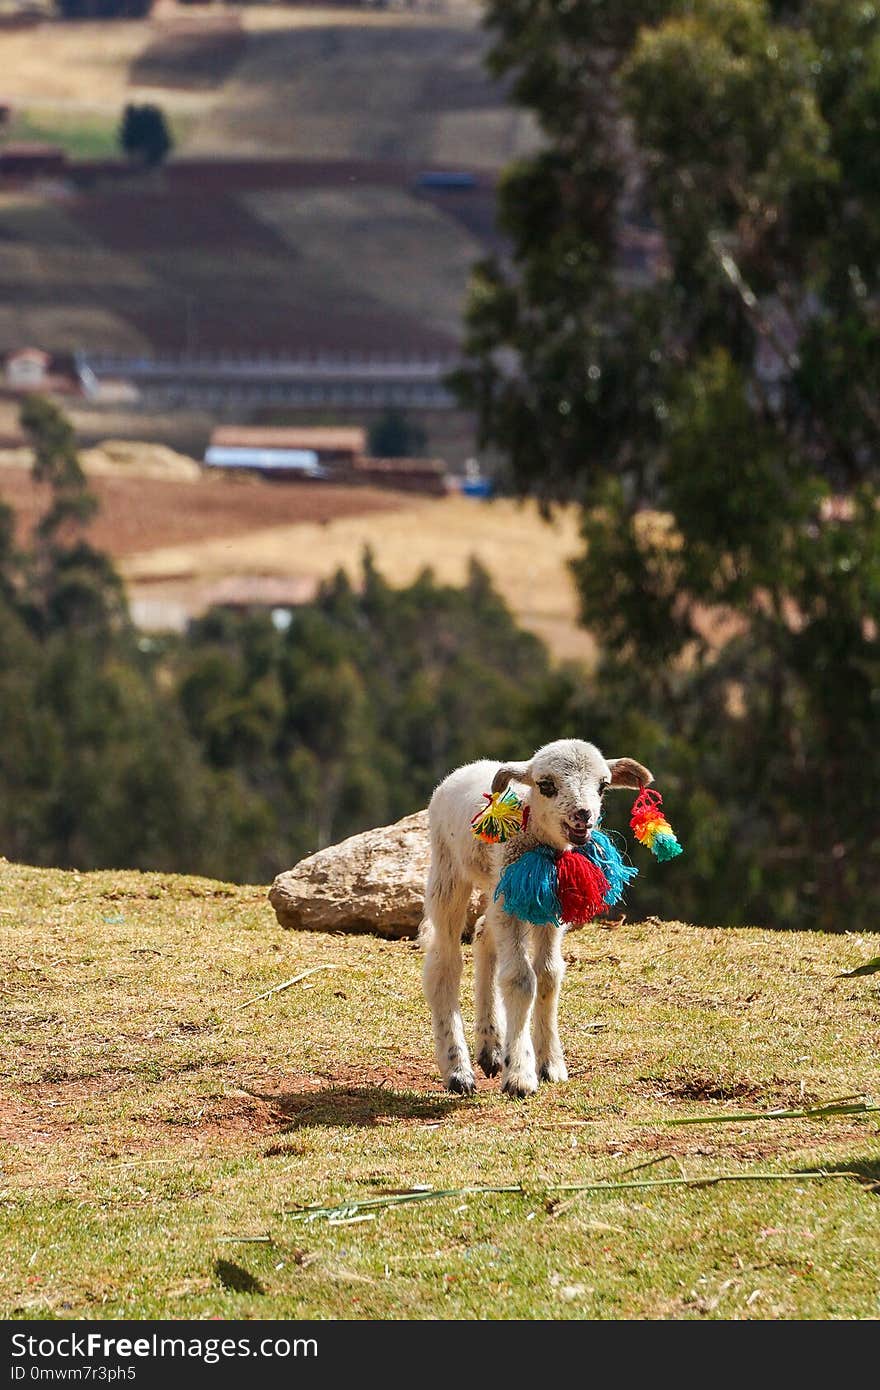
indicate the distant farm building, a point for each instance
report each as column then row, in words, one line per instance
column 332, row 444
column 32, row 161
column 30, row 369
column 279, row 463
column 27, row 369
column 332, row 454
column 427, row 476
column 453, row 179
column 339, row 381
column 252, row 593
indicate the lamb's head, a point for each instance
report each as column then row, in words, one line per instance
column 567, row 781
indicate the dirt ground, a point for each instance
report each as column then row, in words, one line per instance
column 140, row 514
column 178, row 1094
column 183, row 546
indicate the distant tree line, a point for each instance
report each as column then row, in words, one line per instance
column 236, row 749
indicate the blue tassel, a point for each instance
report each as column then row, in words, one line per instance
column 528, row 887
column 665, row 846
column 602, row 852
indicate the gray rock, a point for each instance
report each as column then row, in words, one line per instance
column 374, row 882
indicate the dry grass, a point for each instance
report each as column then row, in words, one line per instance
column 103, row 271
column 526, row 557
column 121, row 268
column 139, row 509
column 410, row 257
column 60, row 286
column 304, row 84
column 354, row 84
column 73, row 64
column 149, row 1124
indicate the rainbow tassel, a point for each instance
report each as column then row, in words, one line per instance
column 650, row 826
column 602, row 851
column 501, row 819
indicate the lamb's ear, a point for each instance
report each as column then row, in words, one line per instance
column 626, row 772
column 511, row 772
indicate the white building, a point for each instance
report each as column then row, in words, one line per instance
column 26, row 370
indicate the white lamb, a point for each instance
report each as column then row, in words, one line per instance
column 518, row 967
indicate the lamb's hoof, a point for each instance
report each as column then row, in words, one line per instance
column 553, row 1071
column 461, row 1084
column 519, row 1087
column 490, row 1061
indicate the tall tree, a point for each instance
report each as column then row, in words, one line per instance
column 69, row 582
column 685, row 339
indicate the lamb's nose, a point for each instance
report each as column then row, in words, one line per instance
column 583, row 815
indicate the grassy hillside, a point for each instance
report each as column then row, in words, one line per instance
column 156, row 1132
column 165, row 269
column 267, row 80
column 390, row 84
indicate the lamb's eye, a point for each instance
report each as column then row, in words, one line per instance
column 603, row 786
column 547, row 787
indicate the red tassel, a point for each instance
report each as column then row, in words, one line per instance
column 646, row 809
column 581, row 888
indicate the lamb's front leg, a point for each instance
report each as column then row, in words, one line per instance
column 518, row 988
column 489, row 1021
column 550, row 970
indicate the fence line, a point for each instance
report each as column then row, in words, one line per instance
column 368, row 379
column 351, row 364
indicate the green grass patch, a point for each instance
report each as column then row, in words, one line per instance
column 162, row 1144
column 82, row 134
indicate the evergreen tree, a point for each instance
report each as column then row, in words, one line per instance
column 69, row 583
column 396, row 435
column 233, row 749
column 144, row 135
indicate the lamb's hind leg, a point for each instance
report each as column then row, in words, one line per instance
column 446, row 902
column 490, row 1019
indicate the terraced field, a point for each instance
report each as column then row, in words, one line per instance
column 290, row 214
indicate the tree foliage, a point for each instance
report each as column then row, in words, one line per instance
column 104, row 9
column 397, row 435
column 144, row 135
column 236, row 748
column 713, row 411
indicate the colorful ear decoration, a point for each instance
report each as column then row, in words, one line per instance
column 650, row 826
column 501, row 819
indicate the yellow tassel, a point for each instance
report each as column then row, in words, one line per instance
column 501, row 819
